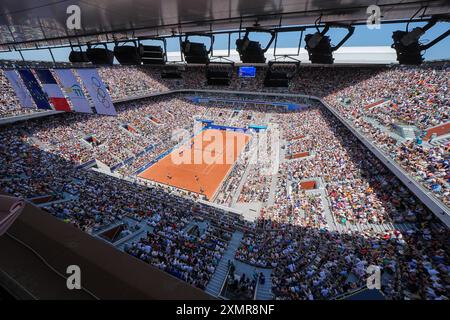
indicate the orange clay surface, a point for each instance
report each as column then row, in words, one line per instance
column 201, row 164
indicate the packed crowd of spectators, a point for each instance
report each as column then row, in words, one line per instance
column 80, row 138
column 408, row 96
column 190, row 257
column 133, row 81
column 313, row 264
column 311, row 261
column 360, row 189
column 430, row 165
column 417, row 96
column 94, row 201
column 292, row 236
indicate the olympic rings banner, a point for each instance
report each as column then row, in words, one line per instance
column 97, row 90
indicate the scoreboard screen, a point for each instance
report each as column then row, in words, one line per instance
column 247, row 72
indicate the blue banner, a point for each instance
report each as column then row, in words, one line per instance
column 35, row 89
column 288, row 105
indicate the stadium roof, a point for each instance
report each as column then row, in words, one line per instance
column 43, row 22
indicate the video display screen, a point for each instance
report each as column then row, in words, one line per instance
column 247, row 72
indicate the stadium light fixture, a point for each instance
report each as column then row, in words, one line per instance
column 128, row 54
column 277, row 76
column 172, row 71
column 251, row 51
column 153, row 54
column 78, row 56
column 101, row 56
column 319, row 45
column 407, row 43
column 219, row 73
column 196, row 52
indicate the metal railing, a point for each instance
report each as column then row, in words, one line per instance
column 223, row 285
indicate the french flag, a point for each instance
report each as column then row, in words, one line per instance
column 53, row 91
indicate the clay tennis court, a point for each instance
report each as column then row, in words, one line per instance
column 201, row 164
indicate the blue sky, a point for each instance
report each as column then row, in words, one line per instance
column 362, row 37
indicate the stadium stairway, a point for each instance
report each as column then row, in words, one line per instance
column 264, row 292
column 326, row 206
column 240, row 186
column 387, row 226
column 144, row 228
column 215, row 284
column 273, row 188
column 409, row 132
column 237, row 192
